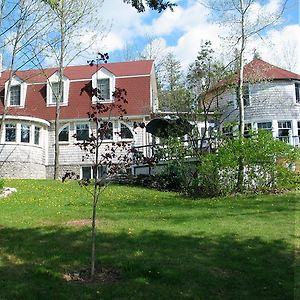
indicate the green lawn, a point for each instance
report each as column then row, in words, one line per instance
column 166, row 246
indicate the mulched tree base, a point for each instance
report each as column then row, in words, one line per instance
column 104, row 274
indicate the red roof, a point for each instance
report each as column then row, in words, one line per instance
column 129, row 77
column 259, row 69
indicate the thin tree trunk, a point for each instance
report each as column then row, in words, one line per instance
column 240, row 179
column 60, row 90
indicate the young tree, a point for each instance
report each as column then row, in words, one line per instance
column 109, row 161
column 203, row 77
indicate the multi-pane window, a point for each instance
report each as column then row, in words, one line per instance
column 103, row 86
column 283, row 130
column 37, row 132
column 64, row 134
column 126, row 132
column 87, row 172
column 297, row 92
column 25, row 133
column 55, row 92
column 265, row 126
column 82, row 131
column 246, row 95
column 106, row 131
column 10, row 132
column 15, row 95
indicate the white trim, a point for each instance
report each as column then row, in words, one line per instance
column 54, row 78
column 103, row 73
column 26, row 118
column 133, row 76
column 16, row 81
column 75, row 129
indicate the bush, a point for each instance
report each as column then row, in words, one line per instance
column 1, row 184
column 268, row 166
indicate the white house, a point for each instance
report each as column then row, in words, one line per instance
column 27, row 141
column 271, row 99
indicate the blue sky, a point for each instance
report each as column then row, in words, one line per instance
column 182, row 31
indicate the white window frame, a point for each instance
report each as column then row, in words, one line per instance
column 91, row 171
column 104, row 74
column 61, row 129
column 66, row 86
column 16, row 81
column 16, row 132
column 119, row 130
column 81, row 123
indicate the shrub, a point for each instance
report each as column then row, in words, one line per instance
column 1, row 184
column 268, row 165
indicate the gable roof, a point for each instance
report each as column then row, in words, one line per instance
column 259, row 69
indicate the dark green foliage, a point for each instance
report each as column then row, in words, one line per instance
column 1, row 183
column 268, row 166
column 158, row 5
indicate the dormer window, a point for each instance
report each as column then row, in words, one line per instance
column 104, row 88
column 17, row 92
column 55, row 93
column 104, row 81
column 15, row 95
column 53, row 90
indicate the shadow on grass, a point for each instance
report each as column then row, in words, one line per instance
column 154, row 265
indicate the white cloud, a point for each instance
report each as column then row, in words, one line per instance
column 182, row 31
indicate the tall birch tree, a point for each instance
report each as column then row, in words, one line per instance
column 245, row 20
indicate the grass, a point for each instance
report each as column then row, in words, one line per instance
column 166, row 246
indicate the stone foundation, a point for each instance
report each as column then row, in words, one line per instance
column 22, row 170
column 63, row 169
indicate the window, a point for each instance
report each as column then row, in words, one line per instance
column 283, row 130
column 247, row 131
column 25, row 133
column 228, row 131
column 126, row 132
column 106, row 131
column 15, row 95
column 37, row 131
column 64, row 134
column 55, row 92
column 297, row 92
column 82, row 132
column 104, row 87
column 265, row 126
column 298, row 125
column 10, row 132
column 87, row 172
column 246, row 94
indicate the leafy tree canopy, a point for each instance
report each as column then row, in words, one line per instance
column 158, row 5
